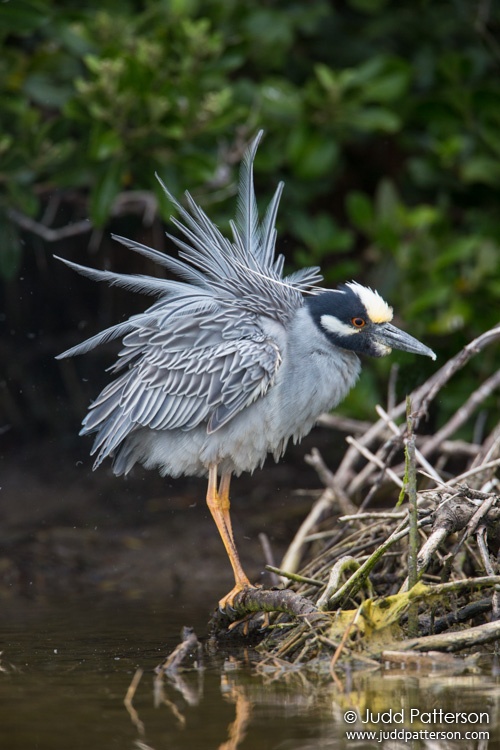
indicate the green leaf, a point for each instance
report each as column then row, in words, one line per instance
column 22, row 17
column 422, row 217
column 104, row 144
column 482, row 169
column 104, row 193
column 373, row 119
column 312, row 154
column 280, row 100
column 360, row 210
column 387, row 202
column 47, row 92
column 321, row 234
column 389, row 86
column 327, row 77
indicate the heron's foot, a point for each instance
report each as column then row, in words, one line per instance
column 226, row 604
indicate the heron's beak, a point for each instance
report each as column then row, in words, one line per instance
column 388, row 335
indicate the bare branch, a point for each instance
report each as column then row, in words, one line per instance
column 46, row 233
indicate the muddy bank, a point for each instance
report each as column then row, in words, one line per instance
column 65, row 529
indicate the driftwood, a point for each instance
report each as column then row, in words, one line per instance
column 265, row 600
column 456, row 641
column 356, row 580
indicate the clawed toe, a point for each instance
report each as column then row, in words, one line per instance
column 227, row 602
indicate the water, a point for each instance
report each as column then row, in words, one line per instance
column 67, row 667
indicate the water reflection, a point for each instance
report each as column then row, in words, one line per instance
column 66, row 670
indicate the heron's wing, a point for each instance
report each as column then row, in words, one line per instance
column 180, row 378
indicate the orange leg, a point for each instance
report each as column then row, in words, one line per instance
column 219, row 508
column 225, row 504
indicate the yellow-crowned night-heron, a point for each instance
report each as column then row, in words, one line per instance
column 232, row 362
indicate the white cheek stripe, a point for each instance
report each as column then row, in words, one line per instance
column 334, row 325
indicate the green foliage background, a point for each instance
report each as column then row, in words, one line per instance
column 382, row 117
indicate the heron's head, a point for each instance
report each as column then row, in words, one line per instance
column 357, row 318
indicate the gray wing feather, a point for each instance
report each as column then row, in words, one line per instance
column 181, row 388
column 172, row 264
column 247, row 217
column 132, row 282
column 269, row 227
column 243, row 271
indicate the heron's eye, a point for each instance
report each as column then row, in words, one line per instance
column 358, row 322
